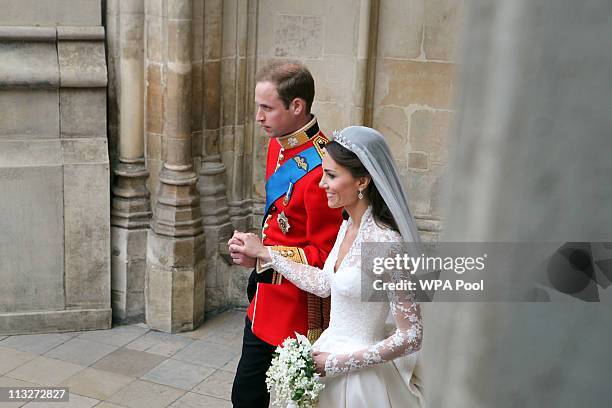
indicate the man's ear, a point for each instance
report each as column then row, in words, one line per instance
column 298, row 106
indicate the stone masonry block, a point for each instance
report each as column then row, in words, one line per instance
column 442, row 29
column 29, row 114
column 31, row 244
column 400, row 28
column 423, row 83
column 83, row 112
column 51, row 13
column 87, row 237
column 82, row 64
column 29, row 64
column 429, row 133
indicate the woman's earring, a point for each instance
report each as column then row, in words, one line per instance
column 360, row 195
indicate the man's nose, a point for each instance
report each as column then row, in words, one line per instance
column 259, row 116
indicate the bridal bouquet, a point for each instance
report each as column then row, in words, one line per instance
column 292, row 374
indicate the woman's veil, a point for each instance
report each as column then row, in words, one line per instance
column 374, row 153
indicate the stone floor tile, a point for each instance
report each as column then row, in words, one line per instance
column 74, row 401
column 163, row 344
column 45, row 371
column 218, row 385
column 144, row 394
column 106, row 404
column 35, row 343
column 226, row 336
column 97, row 384
column 81, row 352
column 117, row 336
column 193, row 400
column 130, row 363
column 230, row 321
column 11, row 359
column 232, row 366
column 178, row 374
column 207, row 354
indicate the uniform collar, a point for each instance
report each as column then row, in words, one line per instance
column 300, row 136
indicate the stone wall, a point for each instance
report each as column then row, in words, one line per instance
column 54, row 168
column 370, row 67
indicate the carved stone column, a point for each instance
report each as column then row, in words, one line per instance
column 175, row 247
column 130, row 212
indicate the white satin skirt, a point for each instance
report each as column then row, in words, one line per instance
column 379, row 386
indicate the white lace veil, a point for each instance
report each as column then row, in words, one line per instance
column 374, row 153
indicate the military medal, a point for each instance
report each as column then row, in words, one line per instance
column 301, row 163
column 283, row 222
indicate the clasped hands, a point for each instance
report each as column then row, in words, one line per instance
column 245, row 248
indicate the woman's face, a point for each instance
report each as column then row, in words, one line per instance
column 339, row 185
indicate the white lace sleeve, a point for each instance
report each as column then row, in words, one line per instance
column 406, row 339
column 305, row 277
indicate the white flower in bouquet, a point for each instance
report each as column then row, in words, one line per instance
column 292, row 374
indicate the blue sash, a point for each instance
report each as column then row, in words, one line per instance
column 289, row 173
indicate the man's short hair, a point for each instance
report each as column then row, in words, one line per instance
column 292, row 80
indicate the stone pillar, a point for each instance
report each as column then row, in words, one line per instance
column 212, row 173
column 175, row 247
column 531, row 163
column 130, row 212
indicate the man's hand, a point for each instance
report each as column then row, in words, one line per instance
column 238, row 257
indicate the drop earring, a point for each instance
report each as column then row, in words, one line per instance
column 360, row 195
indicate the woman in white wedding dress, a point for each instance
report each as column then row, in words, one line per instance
column 361, row 366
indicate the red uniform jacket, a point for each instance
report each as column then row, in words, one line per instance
column 302, row 227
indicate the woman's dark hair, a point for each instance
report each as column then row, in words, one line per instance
column 349, row 160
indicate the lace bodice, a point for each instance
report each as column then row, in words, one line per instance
column 356, row 336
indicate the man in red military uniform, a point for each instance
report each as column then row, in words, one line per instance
column 297, row 222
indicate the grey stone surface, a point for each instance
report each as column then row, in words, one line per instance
column 83, row 112
column 87, row 235
column 206, row 354
column 117, row 336
column 143, row 394
column 11, row 359
column 82, row 64
column 163, row 344
column 130, row 363
column 55, row 321
column 76, row 401
column 81, row 352
column 50, row 12
column 80, row 33
column 193, row 400
column 178, row 374
column 128, row 270
column 28, row 33
column 175, row 283
column 218, row 385
column 28, row 64
column 43, row 370
column 35, row 343
column 32, row 114
column 31, row 250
